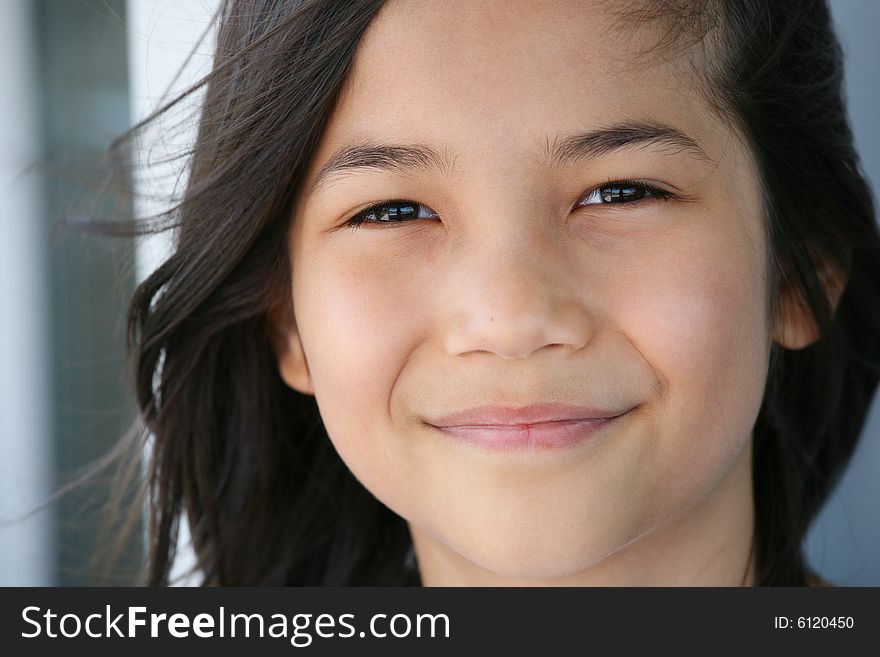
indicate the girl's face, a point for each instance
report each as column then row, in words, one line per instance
column 522, row 271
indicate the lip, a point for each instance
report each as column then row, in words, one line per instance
column 540, row 426
column 523, row 415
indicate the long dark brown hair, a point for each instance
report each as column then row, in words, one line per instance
column 245, row 460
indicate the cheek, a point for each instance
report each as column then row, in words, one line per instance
column 359, row 320
column 696, row 315
column 694, row 321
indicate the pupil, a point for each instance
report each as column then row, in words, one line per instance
column 397, row 212
column 614, row 193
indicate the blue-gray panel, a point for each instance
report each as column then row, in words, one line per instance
column 844, row 543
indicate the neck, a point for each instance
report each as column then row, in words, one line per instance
column 706, row 545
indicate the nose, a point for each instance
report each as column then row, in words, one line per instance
column 514, row 297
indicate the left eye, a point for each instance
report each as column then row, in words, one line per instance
column 621, row 192
column 391, row 212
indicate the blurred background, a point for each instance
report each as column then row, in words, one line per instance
column 74, row 74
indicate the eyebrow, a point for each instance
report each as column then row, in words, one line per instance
column 618, row 136
column 411, row 158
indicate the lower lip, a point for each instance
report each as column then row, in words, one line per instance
column 544, row 435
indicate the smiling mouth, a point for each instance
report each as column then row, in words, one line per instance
column 554, row 434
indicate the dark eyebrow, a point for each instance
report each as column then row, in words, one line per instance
column 408, row 158
column 387, row 157
column 621, row 135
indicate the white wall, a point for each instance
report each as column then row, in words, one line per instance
column 161, row 36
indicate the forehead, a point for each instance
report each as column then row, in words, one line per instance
column 503, row 78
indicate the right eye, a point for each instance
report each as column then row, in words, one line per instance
column 395, row 211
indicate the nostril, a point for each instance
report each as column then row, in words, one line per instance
column 522, row 330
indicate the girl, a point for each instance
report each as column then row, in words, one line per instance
column 492, row 293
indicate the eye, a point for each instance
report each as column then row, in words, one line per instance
column 391, row 212
column 621, row 192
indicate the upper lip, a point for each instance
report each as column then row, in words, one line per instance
column 522, row 415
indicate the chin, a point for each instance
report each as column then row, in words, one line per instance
column 541, row 571
column 537, row 560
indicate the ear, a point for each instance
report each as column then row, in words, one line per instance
column 287, row 345
column 794, row 326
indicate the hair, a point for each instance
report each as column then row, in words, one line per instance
column 246, row 461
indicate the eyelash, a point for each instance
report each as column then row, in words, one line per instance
column 645, row 191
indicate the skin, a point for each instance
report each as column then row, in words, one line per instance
column 508, row 294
